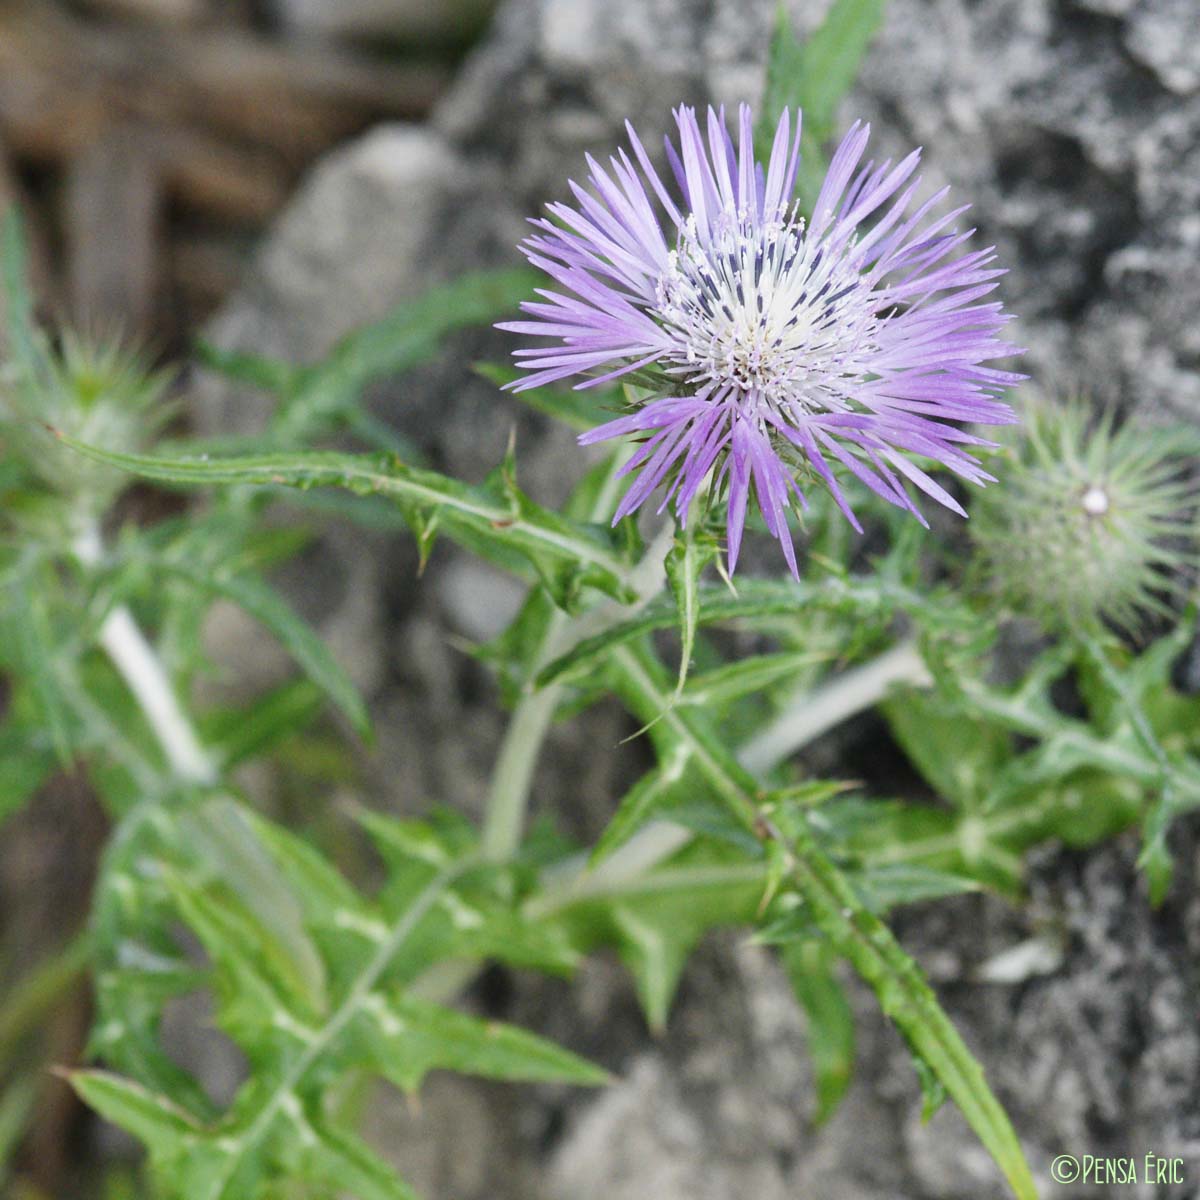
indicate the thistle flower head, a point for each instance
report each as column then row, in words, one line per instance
column 95, row 391
column 1095, row 525
column 777, row 345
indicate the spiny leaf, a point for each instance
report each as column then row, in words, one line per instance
column 721, row 685
column 316, row 396
column 641, row 802
column 405, row 1038
column 685, row 561
column 851, row 928
column 325, row 1154
column 908, row 1000
column 810, row 967
column 257, row 370
column 958, row 754
column 28, row 623
column 153, row 1119
column 26, row 761
column 656, row 919
column 22, row 335
column 477, row 920
column 755, row 600
column 198, row 1164
column 235, row 735
column 268, row 607
column 637, row 680
column 16, row 1106
column 933, row 1090
column 567, row 554
column 886, row 886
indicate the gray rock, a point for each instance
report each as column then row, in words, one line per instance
column 1074, row 129
column 354, row 241
column 1162, row 35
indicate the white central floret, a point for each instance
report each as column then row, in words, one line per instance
column 758, row 308
column 1095, row 501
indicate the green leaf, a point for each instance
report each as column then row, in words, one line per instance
column 310, row 980
column 655, row 919
column 810, row 967
column 479, row 918
column 221, row 834
column 261, row 996
column 25, row 765
column 814, row 76
column 957, row 753
column 401, row 339
column 23, row 343
column 831, row 59
column 36, row 652
column 838, row 912
column 138, row 964
column 520, row 650
column 646, row 798
column 235, row 735
column 637, row 679
column 568, row 555
column 784, row 84
column 267, row 374
column 685, row 561
column 746, row 676
column 933, row 1091
column 316, row 397
column 886, row 886
column 195, row 1164
column 153, row 1119
column 267, row 606
column 756, row 600
column 16, row 1106
column 578, row 409
column 405, row 1038
column 1177, row 786
column 325, row 1154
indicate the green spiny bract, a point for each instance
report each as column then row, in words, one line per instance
column 1095, row 524
column 97, row 392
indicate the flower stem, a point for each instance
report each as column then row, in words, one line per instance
column 508, row 799
column 141, row 668
column 814, row 713
column 509, row 796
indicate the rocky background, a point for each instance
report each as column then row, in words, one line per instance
column 1073, row 126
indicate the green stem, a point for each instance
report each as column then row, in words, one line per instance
column 41, row 990
column 813, row 713
column 852, row 929
column 146, row 677
column 504, row 819
column 285, row 1091
column 909, row 1001
column 508, row 800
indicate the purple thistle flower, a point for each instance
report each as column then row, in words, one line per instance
column 779, row 343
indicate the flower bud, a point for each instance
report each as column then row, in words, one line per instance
column 91, row 391
column 1093, row 524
